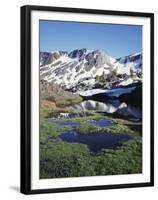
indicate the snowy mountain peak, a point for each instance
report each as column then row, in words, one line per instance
column 49, row 57
column 83, row 69
column 131, row 58
column 77, row 53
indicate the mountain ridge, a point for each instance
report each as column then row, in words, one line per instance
column 84, row 69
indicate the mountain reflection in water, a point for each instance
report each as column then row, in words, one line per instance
column 111, row 106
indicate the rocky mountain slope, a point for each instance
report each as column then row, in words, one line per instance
column 84, row 69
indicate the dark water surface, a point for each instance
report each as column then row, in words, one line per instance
column 95, row 141
column 100, row 122
column 132, row 112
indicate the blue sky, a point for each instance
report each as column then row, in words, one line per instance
column 115, row 40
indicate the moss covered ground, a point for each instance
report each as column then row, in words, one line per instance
column 62, row 159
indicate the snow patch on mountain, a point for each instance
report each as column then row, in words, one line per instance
column 92, row 92
column 79, row 69
column 112, row 92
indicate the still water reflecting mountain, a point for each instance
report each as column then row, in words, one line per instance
column 111, row 106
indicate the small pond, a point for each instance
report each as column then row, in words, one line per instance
column 95, row 141
column 100, row 122
column 110, row 106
